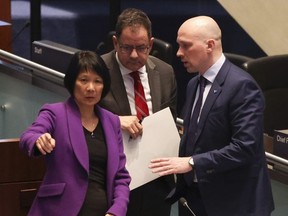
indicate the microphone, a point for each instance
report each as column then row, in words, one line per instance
column 183, row 202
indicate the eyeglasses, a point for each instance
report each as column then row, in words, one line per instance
column 127, row 49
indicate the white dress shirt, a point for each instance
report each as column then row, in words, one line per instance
column 129, row 85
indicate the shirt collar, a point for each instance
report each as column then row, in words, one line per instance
column 212, row 72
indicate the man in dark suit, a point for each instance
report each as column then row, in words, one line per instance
column 132, row 43
column 221, row 165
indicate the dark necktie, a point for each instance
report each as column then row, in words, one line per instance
column 140, row 100
column 193, row 127
column 195, row 115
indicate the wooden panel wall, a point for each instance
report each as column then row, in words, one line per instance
column 5, row 31
column 20, row 178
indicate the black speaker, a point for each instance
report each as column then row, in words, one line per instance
column 52, row 55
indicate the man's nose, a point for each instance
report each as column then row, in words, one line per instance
column 134, row 53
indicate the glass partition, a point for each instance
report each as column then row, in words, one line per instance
column 24, row 88
column 20, row 102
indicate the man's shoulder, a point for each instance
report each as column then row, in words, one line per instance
column 109, row 57
column 156, row 63
column 158, row 60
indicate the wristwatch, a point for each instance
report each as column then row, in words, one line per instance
column 191, row 162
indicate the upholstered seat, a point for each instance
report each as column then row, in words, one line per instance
column 237, row 59
column 271, row 73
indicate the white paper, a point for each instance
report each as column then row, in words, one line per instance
column 160, row 138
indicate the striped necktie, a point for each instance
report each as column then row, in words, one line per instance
column 140, row 100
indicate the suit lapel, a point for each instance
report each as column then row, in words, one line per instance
column 190, row 97
column 214, row 92
column 75, row 130
column 210, row 100
column 111, row 139
column 155, row 86
column 118, row 90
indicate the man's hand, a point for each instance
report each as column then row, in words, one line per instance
column 170, row 165
column 132, row 125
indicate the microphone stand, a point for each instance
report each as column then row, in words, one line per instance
column 183, row 202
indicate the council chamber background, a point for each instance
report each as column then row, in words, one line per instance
column 253, row 29
column 84, row 24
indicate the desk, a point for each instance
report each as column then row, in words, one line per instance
column 5, row 30
column 19, row 180
column 278, row 168
column 5, row 36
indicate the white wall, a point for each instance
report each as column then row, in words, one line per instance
column 264, row 20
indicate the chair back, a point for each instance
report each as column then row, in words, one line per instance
column 162, row 50
column 237, row 59
column 271, row 73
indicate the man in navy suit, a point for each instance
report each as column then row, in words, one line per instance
column 221, row 168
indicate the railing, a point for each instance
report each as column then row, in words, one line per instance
column 38, row 70
column 26, row 86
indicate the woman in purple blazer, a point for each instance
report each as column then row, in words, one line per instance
column 82, row 144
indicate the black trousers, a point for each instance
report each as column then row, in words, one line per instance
column 194, row 201
column 149, row 199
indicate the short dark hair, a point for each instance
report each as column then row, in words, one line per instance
column 86, row 60
column 133, row 17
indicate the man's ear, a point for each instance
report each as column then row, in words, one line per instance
column 210, row 44
column 115, row 41
column 151, row 43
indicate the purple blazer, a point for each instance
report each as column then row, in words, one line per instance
column 64, row 186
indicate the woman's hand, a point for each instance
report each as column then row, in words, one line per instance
column 45, row 143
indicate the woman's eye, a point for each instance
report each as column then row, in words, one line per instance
column 98, row 81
